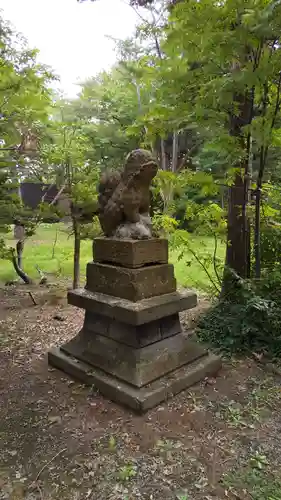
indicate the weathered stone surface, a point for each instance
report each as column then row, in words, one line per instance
column 170, row 325
column 124, row 197
column 133, row 313
column 130, row 253
column 132, row 335
column 131, row 284
column 135, row 336
column 138, row 366
column 139, row 399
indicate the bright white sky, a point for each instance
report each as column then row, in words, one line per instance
column 71, row 36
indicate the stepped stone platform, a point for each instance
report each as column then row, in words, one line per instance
column 131, row 346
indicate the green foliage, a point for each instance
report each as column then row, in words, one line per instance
column 163, row 224
column 211, row 264
column 127, row 472
column 167, row 185
column 270, row 246
column 25, row 96
column 8, row 202
column 247, row 321
column 205, row 218
column 189, row 197
column 25, row 101
column 3, row 249
column 218, row 70
column 109, row 104
column 67, row 155
column 91, row 230
column 270, row 285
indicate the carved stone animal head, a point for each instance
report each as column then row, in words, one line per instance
column 140, row 165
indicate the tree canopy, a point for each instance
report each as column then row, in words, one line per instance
column 24, row 108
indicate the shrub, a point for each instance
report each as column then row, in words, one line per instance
column 248, row 321
column 270, row 246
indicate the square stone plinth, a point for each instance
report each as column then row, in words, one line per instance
column 130, row 253
column 143, row 398
column 131, row 284
column 133, row 313
column 136, row 366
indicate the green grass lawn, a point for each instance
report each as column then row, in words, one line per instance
column 39, row 250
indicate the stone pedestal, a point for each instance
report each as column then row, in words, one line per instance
column 131, row 346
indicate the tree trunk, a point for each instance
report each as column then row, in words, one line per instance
column 238, row 249
column 263, row 155
column 163, row 155
column 238, row 246
column 258, row 234
column 76, row 257
column 26, row 279
column 175, row 152
column 222, row 198
column 20, row 248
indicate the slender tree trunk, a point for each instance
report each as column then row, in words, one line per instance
column 175, row 152
column 163, row 155
column 20, row 248
column 155, row 150
column 138, row 95
column 17, row 253
column 138, row 92
column 222, row 198
column 248, row 193
column 257, row 243
column 258, row 234
column 76, row 256
column 26, row 279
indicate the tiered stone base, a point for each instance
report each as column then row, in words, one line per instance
column 139, row 399
column 131, row 346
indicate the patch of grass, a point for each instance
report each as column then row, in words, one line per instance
column 257, row 406
column 233, row 414
column 188, row 271
column 39, row 250
column 239, row 416
column 265, row 394
column 254, row 480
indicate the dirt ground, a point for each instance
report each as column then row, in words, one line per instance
column 62, row 440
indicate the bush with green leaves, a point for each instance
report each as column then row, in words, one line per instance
column 270, row 246
column 247, row 321
column 270, row 285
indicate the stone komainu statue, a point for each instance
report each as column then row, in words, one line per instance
column 124, row 197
